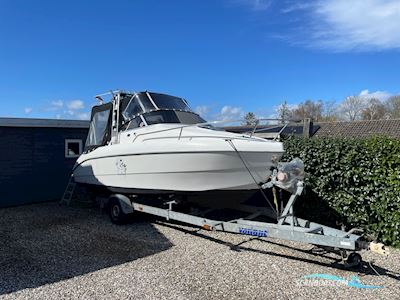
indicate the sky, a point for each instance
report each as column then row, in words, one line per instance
column 226, row 57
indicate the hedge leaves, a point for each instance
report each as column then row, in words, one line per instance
column 355, row 182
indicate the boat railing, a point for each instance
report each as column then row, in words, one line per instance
column 252, row 131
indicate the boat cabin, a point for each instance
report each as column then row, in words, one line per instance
column 133, row 110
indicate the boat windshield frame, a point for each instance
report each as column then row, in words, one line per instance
column 145, row 109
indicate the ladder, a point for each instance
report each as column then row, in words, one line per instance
column 69, row 191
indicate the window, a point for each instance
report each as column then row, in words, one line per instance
column 170, row 116
column 169, row 102
column 133, row 108
column 137, row 104
column 73, row 148
column 99, row 132
column 135, row 123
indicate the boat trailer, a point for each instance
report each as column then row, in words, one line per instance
column 288, row 226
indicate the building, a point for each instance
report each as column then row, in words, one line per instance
column 36, row 158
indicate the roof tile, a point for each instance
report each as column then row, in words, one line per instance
column 353, row 129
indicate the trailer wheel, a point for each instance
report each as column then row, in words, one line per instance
column 117, row 215
column 354, row 259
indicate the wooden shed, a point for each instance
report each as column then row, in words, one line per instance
column 36, row 158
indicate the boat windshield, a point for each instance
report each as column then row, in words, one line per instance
column 165, row 116
column 134, row 105
column 169, row 102
column 170, row 116
column 148, row 108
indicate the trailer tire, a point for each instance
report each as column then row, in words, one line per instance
column 117, row 215
column 354, row 259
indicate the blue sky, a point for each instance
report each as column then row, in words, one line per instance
column 226, row 57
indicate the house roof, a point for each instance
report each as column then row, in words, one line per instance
column 27, row 122
column 354, row 129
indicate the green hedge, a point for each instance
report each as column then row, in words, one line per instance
column 355, row 182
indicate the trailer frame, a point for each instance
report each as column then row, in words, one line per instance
column 288, row 226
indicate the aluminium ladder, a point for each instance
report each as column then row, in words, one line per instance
column 69, row 191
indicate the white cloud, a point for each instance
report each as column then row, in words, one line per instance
column 257, row 5
column 66, row 108
column 294, row 6
column 83, row 116
column 231, row 113
column 69, row 112
column 360, row 25
column 56, row 105
column 289, row 106
column 73, row 109
column 381, row 95
column 202, row 110
column 75, row 105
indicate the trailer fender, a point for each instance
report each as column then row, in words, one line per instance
column 125, row 202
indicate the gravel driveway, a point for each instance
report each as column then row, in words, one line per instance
column 49, row 251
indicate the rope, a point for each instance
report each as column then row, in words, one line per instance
column 255, row 181
column 370, row 264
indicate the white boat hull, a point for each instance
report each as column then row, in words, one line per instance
column 192, row 163
column 177, row 171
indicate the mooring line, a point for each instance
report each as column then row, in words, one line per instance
column 251, row 174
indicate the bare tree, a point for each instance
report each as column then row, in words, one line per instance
column 374, row 110
column 309, row 109
column 250, row 119
column 329, row 111
column 393, row 107
column 284, row 112
column 352, row 107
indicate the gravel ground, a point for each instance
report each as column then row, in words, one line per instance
column 49, row 251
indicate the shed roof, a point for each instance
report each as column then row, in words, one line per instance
column 55, row 123
column 365, row 128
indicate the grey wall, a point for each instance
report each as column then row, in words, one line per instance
column 33, row 167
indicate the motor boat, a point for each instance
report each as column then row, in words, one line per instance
column 143, row 143
column 148, row 144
